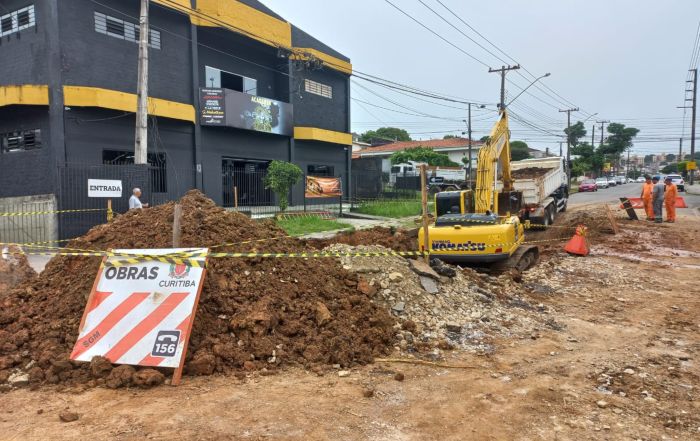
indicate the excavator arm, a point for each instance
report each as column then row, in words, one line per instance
column 497, row 147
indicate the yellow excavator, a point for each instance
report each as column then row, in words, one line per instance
column 483, row 225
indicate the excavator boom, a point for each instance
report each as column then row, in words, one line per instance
column 497, row 147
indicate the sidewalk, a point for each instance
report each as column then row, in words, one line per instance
column 693, row 189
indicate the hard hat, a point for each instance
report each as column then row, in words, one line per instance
column 657, row 177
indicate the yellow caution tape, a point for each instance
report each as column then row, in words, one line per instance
column 188, row 262
column 50, row 212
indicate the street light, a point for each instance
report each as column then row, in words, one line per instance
column 589, row 117
column 536, row 80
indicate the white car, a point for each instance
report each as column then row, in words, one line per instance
column 631, row 181
column 602, row 183
column 641, row 180
column 678, row 180
column 612, row 182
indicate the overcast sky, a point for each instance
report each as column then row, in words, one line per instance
column 625, row 60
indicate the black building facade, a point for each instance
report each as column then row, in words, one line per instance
column 68, row 91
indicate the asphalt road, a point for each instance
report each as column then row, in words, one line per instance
column 612, row 195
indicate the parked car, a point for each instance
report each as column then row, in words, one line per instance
column 631, row 181
column 612, row 182
column 641, row 179
column 620, row 180
column 588, row 185
column 602, row 182
column 678, row 180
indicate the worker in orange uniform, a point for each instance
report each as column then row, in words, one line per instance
column 646, row 197
column 670, row 197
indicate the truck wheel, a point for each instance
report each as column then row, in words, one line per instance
column 434, row 190
column 451, row 188
column 552, row 214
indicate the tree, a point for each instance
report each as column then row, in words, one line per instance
column 518, row 151
column 386, row 132
column 280, row 177
column 619, row 139
column 422, row 154
column 670, row 168
column 589, row 159
column 449, row 137
column 663, row 163
column 575, row 133
column 484, row 138
column 697, row 156
column 670, row 157
column 682, row 167
column 648, row 159
column 634, row 174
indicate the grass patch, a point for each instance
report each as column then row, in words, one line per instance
column 306, row 225
column 392, row 208
column 573, row 190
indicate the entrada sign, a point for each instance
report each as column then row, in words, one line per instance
column 102, row 188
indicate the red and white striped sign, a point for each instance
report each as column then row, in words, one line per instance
column 141, row 313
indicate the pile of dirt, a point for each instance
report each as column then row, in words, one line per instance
column 254, row 313
column 529, row 172
column 14, row 268
column 469, row 310
column 396, row 240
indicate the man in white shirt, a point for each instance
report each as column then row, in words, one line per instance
column 134, row 201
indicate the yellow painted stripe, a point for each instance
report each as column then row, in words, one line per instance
column 25, row 94
column 322, row 135
column 329, row 60
column 81, row 96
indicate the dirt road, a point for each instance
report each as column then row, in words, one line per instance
column 616, row 359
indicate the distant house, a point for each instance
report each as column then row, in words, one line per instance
column 455, row 148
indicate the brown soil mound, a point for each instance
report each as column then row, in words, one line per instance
column 14, row 268
column 398, row 241
column 529, row 172
column 254, row 313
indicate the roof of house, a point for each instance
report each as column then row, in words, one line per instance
column 434, row 143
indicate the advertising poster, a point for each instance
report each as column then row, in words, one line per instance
column 317, row 187
column 230, row 108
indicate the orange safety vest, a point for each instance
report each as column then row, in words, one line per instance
column 671, row 193
column 647, row 190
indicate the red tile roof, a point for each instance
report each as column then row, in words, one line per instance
column 434, row 143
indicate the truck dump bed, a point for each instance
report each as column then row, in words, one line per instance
column 537, row 178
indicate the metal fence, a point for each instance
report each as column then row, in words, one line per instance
column 378, row 185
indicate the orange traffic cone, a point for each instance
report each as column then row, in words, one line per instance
column 579, row 243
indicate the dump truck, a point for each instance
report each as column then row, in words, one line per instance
column 438, row 178
column 544, row 183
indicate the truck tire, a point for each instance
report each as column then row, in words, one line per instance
column 451, row 188
column 434, row 190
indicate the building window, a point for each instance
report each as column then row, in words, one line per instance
column 226, row 80
column 20, row 141
column 320, row 170
column 124, row 30
column 318, row 89
column 157, row 171
column 15, row 21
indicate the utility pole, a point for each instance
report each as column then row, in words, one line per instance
column 692, row 127
column 469, row 129
column 141, row 145
column 503, row 71
column 593, row 136
column 560, row 150
column 680, row 151
column 628, row 164
column 602, row 129
column 568, row 140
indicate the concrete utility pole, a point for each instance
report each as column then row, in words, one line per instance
column 692, row 127
column 602, row 129
column 680, row 151
column 141, row 145
column 503, row 71
column 593, row 136
column 628, row 164
column 469, row 134
column 568, row 140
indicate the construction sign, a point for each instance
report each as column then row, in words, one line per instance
column 606, row 166
column 323, row 187
column 142, row 313
column 691, row 166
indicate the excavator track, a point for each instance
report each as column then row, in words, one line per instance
column 524, row 258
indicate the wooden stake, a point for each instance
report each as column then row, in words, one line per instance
column 176, row 225
column 426, row 222
column 109, row 210
column 235, row 197
column 612, row 220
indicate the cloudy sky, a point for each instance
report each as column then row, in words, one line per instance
column 625, row 60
